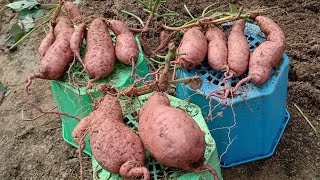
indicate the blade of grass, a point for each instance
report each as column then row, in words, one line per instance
column 308, row 121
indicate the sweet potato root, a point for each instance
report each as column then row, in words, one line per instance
column 267, row 55
column 113, row 144
column 195, row 45
column 238, row 49
column 217, row 49
column 46, row 42
column 100, row 57
column 171, row 136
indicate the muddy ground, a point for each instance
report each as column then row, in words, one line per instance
column 36, row 150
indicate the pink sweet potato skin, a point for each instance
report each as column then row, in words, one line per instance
column 274, row 34
column 77, row 39
column 126, row 46
column 73, row 11
column 46, row 42
column 114, row 146
column 59, row 55
column 100, row 57
column 171, row 136
column 269, row 53
column 260, row 65
column 217, row 48
column 195, row 45
column 238, row 49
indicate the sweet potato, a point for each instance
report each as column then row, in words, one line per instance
column 99, row 58
column 72, row 10
column 77, row 39
column 195, row 45
column 171, row 136
column 46, row 42
column 217, row 49
column 267, row 55
column 238, row 49
column 59, row 55
column 55, row 61
column 114, row 146
column 126, row 49
column 274, row 34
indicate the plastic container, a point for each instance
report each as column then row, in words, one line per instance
column 157, row 170
column 76, row 102
column 260, row 112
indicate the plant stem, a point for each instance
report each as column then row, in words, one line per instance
column 213, row 22
column 185, row 7
column 135, row 16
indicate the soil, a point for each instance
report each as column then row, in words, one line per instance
column 36, row 150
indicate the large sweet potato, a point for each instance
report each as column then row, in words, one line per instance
column 217, row 49
column 171, row 136
column 195, row 45
column 114, row 146
column 99, row 58
column 238, row 49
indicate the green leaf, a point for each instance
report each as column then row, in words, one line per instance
column 34, row 12
column 3, row 88
column 38, row 13
column 18, row 5
column 27, row 23
column 233, row 8
column 16, row 32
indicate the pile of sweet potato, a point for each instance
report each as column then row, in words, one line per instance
column 233, row 56
column 170, row 135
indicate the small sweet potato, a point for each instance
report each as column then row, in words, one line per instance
column 114, row 146
column 100, row 57
column 46, row 42
column 195, row 45
column 217, row 49
column 126, row 49
column 77, row 39
column 171, row 136
column 238, row 49
column 72, row 10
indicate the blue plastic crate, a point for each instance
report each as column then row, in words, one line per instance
column 260, row 111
